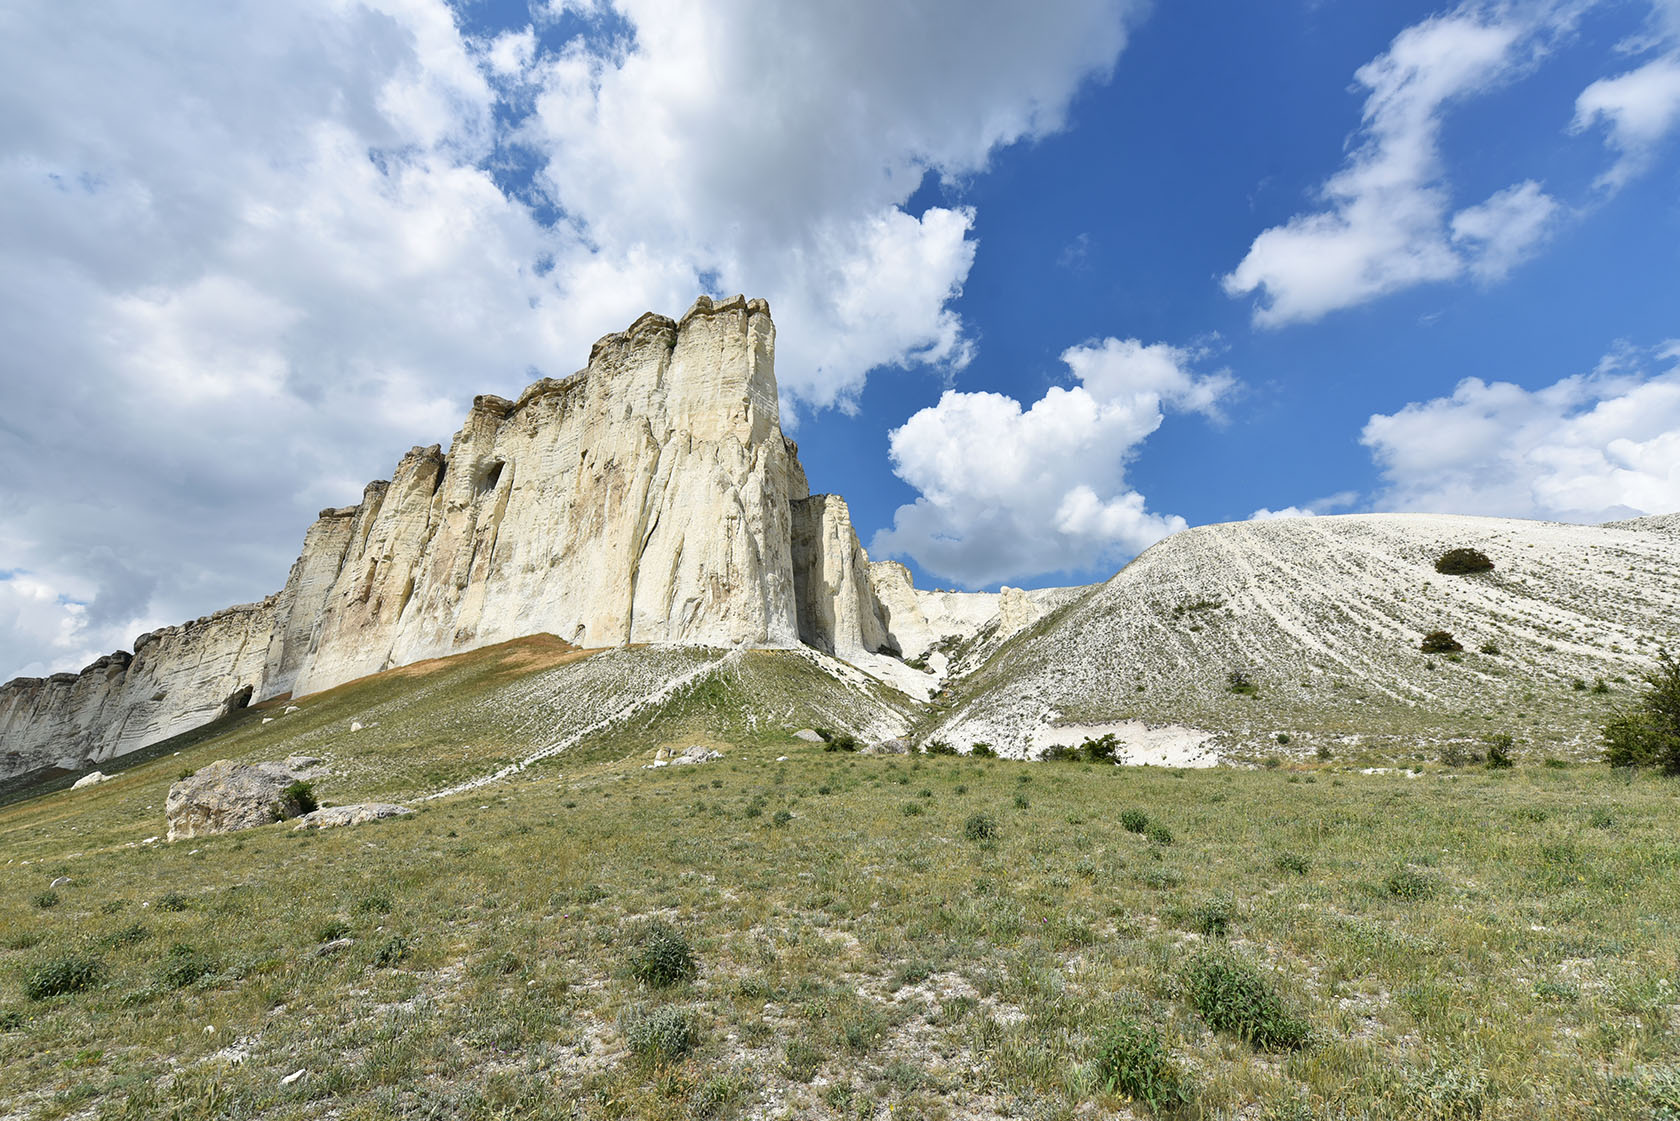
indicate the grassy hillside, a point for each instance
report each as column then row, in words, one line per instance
column 941, row 937
column 1325, row 617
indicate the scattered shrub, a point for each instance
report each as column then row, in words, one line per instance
column 67, row 973
column 1213, row 917
column 1463, row 562
column 1600, row 819
column 983, row 751
column 184, row 966
column 780, row 818
column 1132, row 1063
column 661, row 957
column 1271, row 762
column 1458, row 755
column 1649, row 734
column 376, row 902
column 1499, row 747
column 912, row 809
column 45, row 900
column 1440, row 642
column 838, row 741
column 1409, row 883
column 939, row 747
column 1282, row 739
column 393, row 951
column 802, row 1059
column 10, row 1019
column 1134, row 821
column 130, row 935
column 1578, row 685
column 660, row 1036
column 1599, row 687
column 980, row 827
column 173, row 901
column 1102, row 749
column 1021, row 802
column 299, row 798
column 1491, row 648
column 1237, row 681
column 1160, row 835
column 1291, row 862
column 1232, row 995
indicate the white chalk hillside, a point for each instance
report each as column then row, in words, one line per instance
column 1325, row 617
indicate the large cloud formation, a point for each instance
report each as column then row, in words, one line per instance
column 1589, row 448
column 1388, row 220
column 1007, row 493
column 252, row 251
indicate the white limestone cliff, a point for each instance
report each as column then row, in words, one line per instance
column 649, row 498
column 837, row 608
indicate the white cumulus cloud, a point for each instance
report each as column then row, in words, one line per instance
column 1008, row 493
column 1388, row 219
column 1637, row 109
column 1588, row 448
column 251, row 252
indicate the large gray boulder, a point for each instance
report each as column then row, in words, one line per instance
column 225, row 796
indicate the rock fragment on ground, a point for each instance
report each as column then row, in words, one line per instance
column 360, row 813
column 809, row 735
column 670, row 757
column 888, row 747
column 92, row 778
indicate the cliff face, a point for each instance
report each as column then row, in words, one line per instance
column 650, row 498
column 643, row 500
column 176, row 679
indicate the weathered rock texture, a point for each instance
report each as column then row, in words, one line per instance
column 224, row 797
column 650, row 498
column 335, row 817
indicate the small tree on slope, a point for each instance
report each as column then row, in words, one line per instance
column 1649, row 734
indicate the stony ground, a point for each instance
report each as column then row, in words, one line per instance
column 919, row 936
column 1324, row 617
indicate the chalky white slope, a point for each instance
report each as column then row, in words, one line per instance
column 1325, row 616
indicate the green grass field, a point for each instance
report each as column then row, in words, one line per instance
column 923, row 936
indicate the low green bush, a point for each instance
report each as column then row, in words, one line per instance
column 1463, row 562
column 1134, row 821
column 1648, row 735
column 980, row 827
column 662, row 1035
column 1409, row 883
column 1132, row 1062
column 983, row 751
column 1213, row 917
column 298, row 798
column 62, row 975
column 1232, row 995
column 661, row 957
column 184, row 966
column 392, row 952
column 1160, row 835
column 1440, row 642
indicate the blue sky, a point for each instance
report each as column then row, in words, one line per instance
column 1049, row 283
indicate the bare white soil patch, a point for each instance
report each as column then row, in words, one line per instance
column 1164, row 745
